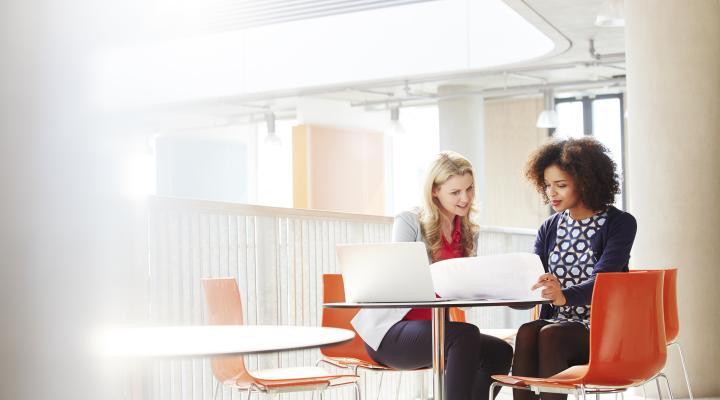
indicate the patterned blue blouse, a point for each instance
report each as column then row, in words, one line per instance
column 572, row 259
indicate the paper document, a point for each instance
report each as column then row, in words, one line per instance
column 501, row 276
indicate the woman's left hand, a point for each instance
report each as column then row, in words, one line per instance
column 551, row 289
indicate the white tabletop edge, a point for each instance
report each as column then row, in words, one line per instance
column 439, row 303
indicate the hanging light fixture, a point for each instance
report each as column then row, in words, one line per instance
column 548, row 117
column 611, row 14
column 272, row 138
column 394, row 127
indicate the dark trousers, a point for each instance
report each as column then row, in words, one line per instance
column 471, row 357
column 543, row 349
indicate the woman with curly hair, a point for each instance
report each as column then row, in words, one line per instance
column 586, row 236
column 402, row 338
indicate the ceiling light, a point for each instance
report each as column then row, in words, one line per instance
column 548, row 117
column 394, row 127
column 611, row 14
column 272, row 138
column 270, row 122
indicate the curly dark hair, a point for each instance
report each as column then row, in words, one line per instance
column 587, row 161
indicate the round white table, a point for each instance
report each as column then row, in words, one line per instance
column 213, row 340
column 438, row 315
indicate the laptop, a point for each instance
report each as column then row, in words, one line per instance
column 385, row 272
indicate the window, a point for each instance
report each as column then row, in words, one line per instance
column 235, row 163
column 412, row 152
column 601, row 117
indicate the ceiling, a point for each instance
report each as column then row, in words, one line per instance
column 573, row 69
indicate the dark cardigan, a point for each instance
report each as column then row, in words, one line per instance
column 611, row 251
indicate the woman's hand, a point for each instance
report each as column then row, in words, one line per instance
column 551, row 289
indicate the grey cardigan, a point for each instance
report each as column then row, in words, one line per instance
column 406, row 228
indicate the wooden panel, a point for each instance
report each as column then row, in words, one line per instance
column 510, row 137
column 338, row 169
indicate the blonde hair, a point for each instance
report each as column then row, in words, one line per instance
column 446, row 165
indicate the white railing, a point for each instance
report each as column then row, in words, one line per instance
column 278, row 257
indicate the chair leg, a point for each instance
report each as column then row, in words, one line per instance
column 217, row 389
column 492, row 390
column 249, row 393
column 357, row 390
column 667, row 385
column 685, row 372
column 657, row 383
column 582, row 390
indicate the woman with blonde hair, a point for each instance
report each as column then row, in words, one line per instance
column 402, row 338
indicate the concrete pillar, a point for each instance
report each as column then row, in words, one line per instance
column 462, row 130
column 673, row 62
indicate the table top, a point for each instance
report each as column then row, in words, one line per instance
column 209, row 340
column 442, row 303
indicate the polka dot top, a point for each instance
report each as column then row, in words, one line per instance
column 572, row 260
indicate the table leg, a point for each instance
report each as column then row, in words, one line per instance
column 438, row 336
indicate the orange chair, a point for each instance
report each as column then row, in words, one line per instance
column 224, row 307
column 672, row 323
column 627, row 339
column 351, row 355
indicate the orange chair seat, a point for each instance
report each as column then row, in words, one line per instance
column 294, row 376
column 627, row 339
column 567, row 379
column 349, row 362
column 524, row 381
column 225, row 308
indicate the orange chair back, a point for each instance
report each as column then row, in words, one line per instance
column 456, row 314
column 224, row 307
column 627, row 334
column 334, row 292
column 670, row 307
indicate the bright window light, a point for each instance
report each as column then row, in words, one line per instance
column 570, row 120
column 413, row 152
column 275, row 162
column 608, row 130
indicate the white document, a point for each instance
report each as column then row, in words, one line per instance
column 501, row 276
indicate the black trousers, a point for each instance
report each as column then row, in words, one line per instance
column 471, row 357
column 543, row 349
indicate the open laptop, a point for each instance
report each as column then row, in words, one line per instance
column 380, row 272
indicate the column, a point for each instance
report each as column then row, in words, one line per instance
column 673, row 69
column 462, row 129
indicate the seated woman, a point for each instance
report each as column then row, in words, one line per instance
column 402, row 338
column 586, row 236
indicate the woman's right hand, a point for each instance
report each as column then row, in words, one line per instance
column 551, row 289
